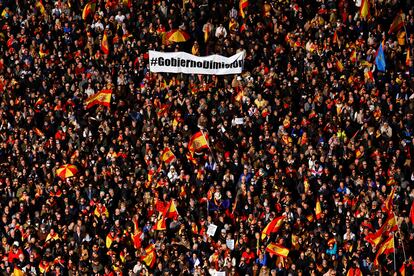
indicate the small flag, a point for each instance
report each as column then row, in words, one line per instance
column 388, row 203
column 397, row 23
column 353, row 56
column 380, row 59
column 407, row 59
column 364, row 10
column 243, row 5
column 318, row 209
column 402, row 270
column 109, row 240
column 278, row 250
column 167, row 156
column 160, row 224
column 339, row 66
column 103, row 97
column 38, row 132
column 335, row 37
column 171, row 210
column 354, row 272
column 105, row 44
column 40, row 7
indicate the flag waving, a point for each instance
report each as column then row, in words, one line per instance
column 318, row 209
column 150, row 256
column 242, row 6
column 167, row 156
column 273, row 226
column 198, row 142
column 88, row 9
column 397, row 23
column 278, row 250
column 386, row 248
column 380, row 59
column 364, row 10
column 103, row 97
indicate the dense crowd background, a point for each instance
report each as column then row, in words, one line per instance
column 312, row 131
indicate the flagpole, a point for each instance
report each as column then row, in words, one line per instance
column 395, row 249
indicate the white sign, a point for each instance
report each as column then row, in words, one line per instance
column 230, row 244
column 181, row 62
column 211, row 230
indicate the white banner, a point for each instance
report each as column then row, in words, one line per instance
column 181, row 62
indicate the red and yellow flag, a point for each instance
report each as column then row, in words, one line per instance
column 167, row 156
column 318, row 209
column 335, row 37
column 109, row 240
column 353, row 56
column 171, row 210
column 389, row 225
column 402, row 270
column 273, row 226
column 364, row 10
column 339, row 66
column 407, row 59
column 386, row 248
column 150, row 256
column 40, row 7
column 103, row 97
column 354, row 272
column 243, row 4
column 388, row 203
column 105, row 44
column 17, row 271
column 198, row 142
column 160, row 223
column 88, row 9
column 278, row 250
column 397, row 23
column 127, row 3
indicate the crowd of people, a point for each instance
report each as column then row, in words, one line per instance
column 310, row 132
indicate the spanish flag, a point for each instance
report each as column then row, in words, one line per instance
column 407, row 59
column 364, row 10
column 160, row 224
column 243, row 4
column 88, row 9
column 386, row 248
column 127, row 3
column 40, row 7
column 353, row 56
column 167, row 156
column 388, row 203
column 198, row 142
column 335, row 37
column 402, row 269
column 103, row 97
column 389, row 225
column 339, row 66
column 44, row 266
column 52, row 237
column 17, row 271
column 105, row 44
column 397, row 23
column 278, row 250
column 150, row 256
column 273, row 226
column 318, row 209
column 101, row 210
column 109, row 240
column 354, row 272
column 171, row 210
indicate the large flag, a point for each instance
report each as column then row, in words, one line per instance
column 386, row 248
column 243, row 4
column 273, row 226
column 167, row 156
column 364, row 10
column 88, row 9
column 380, row 59
column 318, row 209
column 389, row 225
column 397, row 23
column 150, row 256
column 198, row 142
column 278, row 250
column 171, row 210
column 105, row 44
column 103, row 97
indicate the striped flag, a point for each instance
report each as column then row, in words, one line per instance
column 353, row 56
column 318, row 209
column 278, row 250
column 40, row 7
column 273, row 226
column 242, row 6
column 103, row 97
column 160, row 223
column 198, row 142
column 88, row 9
column 167, row 156
column 150, row 257
column 408, row 58
column 388, row 203
column 105, row 44
column 386, row 248
column 402, row 270
column 397, row 23
column 171, row 210
column 339, row 66
column 364, row 10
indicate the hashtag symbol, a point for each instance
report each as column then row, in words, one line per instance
column 153, row 62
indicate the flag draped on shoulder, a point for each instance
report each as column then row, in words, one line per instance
column 273, row 226
column 103, row 97
column 277, row 249
column 380, row 59
column 198, row 142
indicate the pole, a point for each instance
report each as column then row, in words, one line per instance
column 395, row 249
column 402, row 243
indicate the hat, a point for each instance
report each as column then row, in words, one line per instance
column 16, row 243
